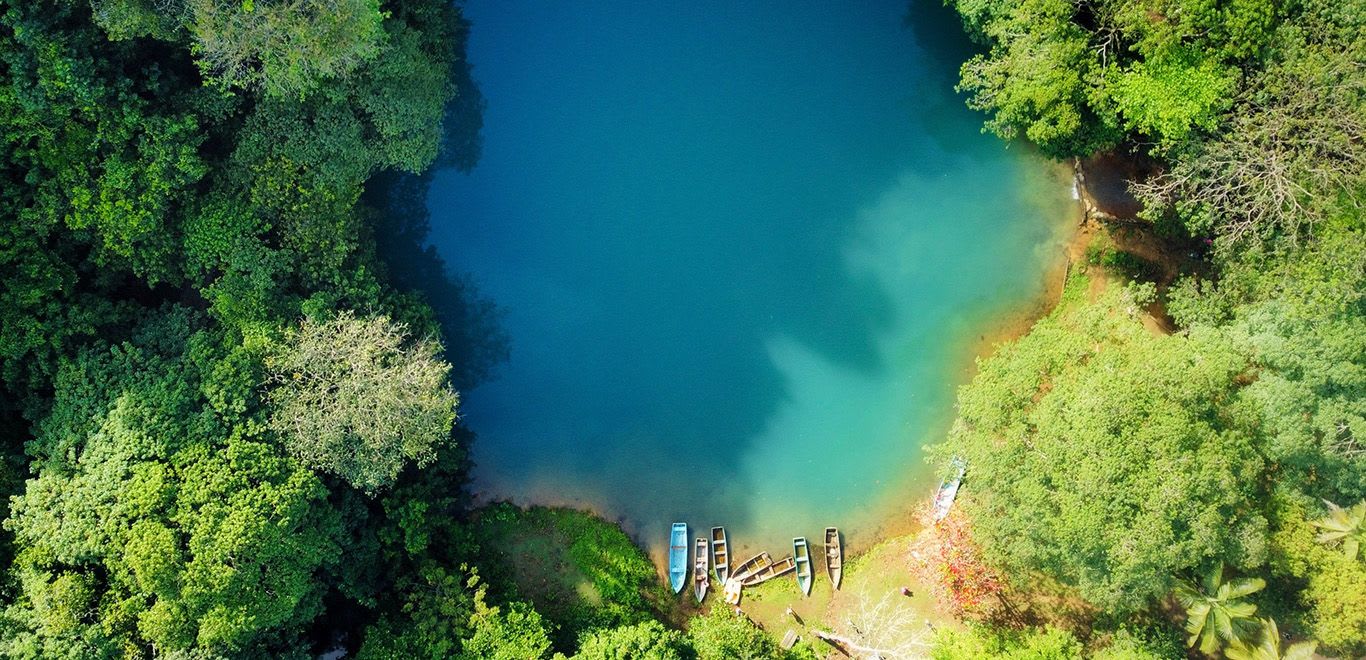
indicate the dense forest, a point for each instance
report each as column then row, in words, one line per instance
column 1214, row 476
column 231, row 365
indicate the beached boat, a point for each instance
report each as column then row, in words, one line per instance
column 678, row 556
column 720, row 554
column 802, row 555
column 732, row 591
column 948, row 489
column 751, row 565
column 700, row 580
column 834, row 556
column 775, row 569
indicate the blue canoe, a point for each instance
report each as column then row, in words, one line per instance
column 802, row 554
column 678, row 556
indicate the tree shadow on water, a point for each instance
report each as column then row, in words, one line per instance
column 462, row 137
column 475, row 340
column 938, row 31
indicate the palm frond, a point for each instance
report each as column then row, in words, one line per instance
column 1209, row 643
column 1241, row 651
column 1347, row 525
column 1197, row 618
column 1301, row 651
column 1330, row 536
column 1214, row 579
column 1187, row 595
column 1239, row 587
column 1223, row 623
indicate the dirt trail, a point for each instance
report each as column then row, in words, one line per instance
column 1111, row 218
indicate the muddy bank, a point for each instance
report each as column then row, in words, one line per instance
column 1102, row 183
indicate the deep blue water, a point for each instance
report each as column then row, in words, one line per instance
column 742, row 248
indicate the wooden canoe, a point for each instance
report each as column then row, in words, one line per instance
column 720, row 554
column 776, row 569
column 751, row 565
column 678, row 556
column 700, row 580
column 802, row 555
column 834, row 556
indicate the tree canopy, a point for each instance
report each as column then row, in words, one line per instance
column 163, row 506
column 358, row 398
column 1124, row 461
column 1110, row 457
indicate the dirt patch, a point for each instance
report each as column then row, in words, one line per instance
column 1103, row 180
column 1129, row 248
column 871, row 589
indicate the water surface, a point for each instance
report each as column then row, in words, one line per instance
column 741, row 250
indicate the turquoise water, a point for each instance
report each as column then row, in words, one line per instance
column 742, row 252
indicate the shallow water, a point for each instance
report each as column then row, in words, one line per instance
column 741, row 250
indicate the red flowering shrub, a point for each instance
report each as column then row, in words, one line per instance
column 948, row 560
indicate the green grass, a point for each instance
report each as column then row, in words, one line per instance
column 1127, row 265
column 581, row 572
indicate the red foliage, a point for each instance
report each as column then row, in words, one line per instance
column 948, row 560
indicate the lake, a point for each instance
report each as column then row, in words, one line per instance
column 744, row 251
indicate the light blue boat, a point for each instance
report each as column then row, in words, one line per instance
column 801, row 554
column 678, row 556
column 948, row 489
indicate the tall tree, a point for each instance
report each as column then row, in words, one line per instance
column 359, row 398
column 1326, row 596
column 723, row 634
column 162, row 516
column 648, row 640
column 286, row 47
column 1034, row 79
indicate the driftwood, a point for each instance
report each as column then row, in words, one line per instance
column 844, row 645
column 882, row 629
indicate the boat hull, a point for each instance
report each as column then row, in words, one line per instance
column 699, row 571
column 948, row 489
column 751, row 565
column 834, row 556
column 765, row 573
column 720, row 554
column 801, row 555
column 678, row 556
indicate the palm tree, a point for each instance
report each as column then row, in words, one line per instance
column 1215, row 609
column 1270, row 647
column 1343, row 525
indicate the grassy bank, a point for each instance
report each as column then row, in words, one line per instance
column 580, row 571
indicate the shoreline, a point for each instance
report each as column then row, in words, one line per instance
column 1072, row 234
column 1012, row 323
column 888, row 518
column 877, row 567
